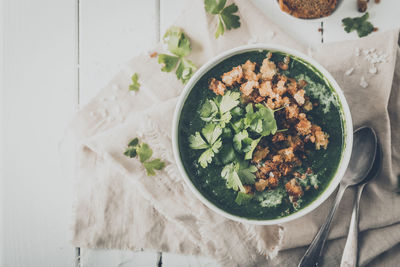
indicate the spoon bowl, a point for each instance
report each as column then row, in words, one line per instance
column 362, row 157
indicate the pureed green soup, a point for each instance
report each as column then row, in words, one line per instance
column 324, row 162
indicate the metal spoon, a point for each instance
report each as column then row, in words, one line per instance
column 350, row 252
column 361, row 162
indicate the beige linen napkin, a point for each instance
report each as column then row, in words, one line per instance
column 118, row 206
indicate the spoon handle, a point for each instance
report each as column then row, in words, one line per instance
column 350, row 253
column 313, row 254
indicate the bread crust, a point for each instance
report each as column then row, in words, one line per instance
column 308, row 9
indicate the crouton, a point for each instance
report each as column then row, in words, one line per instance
column 268, row 69
column 217, row 86
column 232, row 77
column 294, row 189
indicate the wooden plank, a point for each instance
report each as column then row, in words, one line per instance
column 111, row 33
column 169, row 12
column 173, row 260
column 109, row 258
column 38, row 98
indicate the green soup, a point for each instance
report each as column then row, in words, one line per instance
column 328, row 114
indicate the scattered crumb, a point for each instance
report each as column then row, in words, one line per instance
column 377, row 1
column 154, row 54
column 363, row 82
column 373, row 69
column 373, row 56
column 349, row 71
column 375, row 29
column 320, row 29
column 362, row 5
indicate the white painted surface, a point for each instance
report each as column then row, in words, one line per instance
column 39, row 96
column 42, row 86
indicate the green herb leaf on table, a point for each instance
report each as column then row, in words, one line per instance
column 359, row 24
column 168, row 62
column 143, row 150
column 185, row 70
column 135, row 83
column 155, row 164
column 214, row 6
column 179, row 45
column 243, row 198
column 130, row 152
column 226, row 17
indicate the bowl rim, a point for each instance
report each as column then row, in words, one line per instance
column 347, row 120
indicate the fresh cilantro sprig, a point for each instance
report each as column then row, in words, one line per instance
column 209, row 140
column 226, row 17
column 135, row 83
column 179, row 45
column 236, row 175
column 218, row 109
column 359, row 24
column 144, row 152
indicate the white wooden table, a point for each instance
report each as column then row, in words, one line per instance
column 56, row 55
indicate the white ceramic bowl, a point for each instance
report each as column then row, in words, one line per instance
column 347, row 129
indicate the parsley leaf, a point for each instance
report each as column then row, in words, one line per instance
column 212, row 143
column 262, row 121
column 229, row 101
column 185, row 70
column 197, row 142
column 226, row 17
column 130, row 152
column 218, row 109
column 179, row 45
column 243, row 198
column 168, row 62
column 211, row 132
column 232, row 178
column 144, row 152
column 135, row 84
column 214, row 6
column 155, row 164
column 252, row 146
column 239, row 138
column 359, row 24
column 246, row 172
column 231, row 21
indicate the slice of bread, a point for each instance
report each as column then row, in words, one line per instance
column 308, row 9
